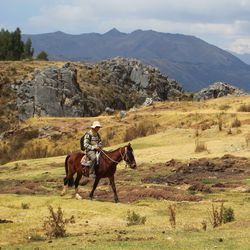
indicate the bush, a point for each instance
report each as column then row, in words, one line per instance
column 135, row 219
column 236, row 123
column 221, row 215
column 25, row 205
column 216, row 216
column 244, row 108
column 228, row 215
column 200, row 146
column 54, row 225
column 43, row 56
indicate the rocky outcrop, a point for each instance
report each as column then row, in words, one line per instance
column 132, row 74
column 217, row 90
column 119, row 83
column 52, row 92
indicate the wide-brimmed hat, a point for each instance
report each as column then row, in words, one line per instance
column 96, row 124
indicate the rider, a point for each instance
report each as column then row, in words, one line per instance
column 93, row 143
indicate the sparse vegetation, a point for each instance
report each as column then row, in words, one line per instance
column 216, row 216
column 54, row 225
column 200, row 146
column 244, row 108
column 172, row 215
column 236, row 123
column 25, row 205
column 134, row 218
column 221, row 215
column 224, row 107
column 204, row 225
column 141, row 129
column 228, row 215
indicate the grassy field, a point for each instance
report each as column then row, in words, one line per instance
column 29, row 186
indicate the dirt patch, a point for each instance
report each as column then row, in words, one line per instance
column 133, row 193
column 22, row 187
column 227, row 167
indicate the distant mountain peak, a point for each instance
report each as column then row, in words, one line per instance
column 113, row 32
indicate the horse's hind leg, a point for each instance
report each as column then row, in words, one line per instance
column 78, row 178
column 94, row 187
column 112, row 184
column 65, row 187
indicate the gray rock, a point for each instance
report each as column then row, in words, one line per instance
column 123, row 113
column 148, row 102
column 109, row 111
column 53, row 92
column 218, row 89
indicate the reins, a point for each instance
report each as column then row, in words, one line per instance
column 123, row 156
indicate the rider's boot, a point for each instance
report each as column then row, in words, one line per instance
column 92, row 171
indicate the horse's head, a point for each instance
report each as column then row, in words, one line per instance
column 129, row 157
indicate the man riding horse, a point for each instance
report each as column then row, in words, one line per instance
column 92, row 143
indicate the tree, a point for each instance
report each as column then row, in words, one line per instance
column 16, row 45
column 43, row 56
column 12, row 46
column 28, row 51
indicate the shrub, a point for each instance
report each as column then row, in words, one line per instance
column 236, row 123
column 135, row 219
column 204, row 225
column 221, row 215
column 172, row 215
column 54, row 225
column 228, row 215
column 244, row 108
column 200, row 146
column 216, row 216
column 25, row 205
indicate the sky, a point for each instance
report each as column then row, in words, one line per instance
column 224, row 23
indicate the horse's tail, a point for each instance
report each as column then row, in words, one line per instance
column 69, row 181
column 66, row 164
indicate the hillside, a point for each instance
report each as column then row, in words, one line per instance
column 193, row 156
column 187, row 59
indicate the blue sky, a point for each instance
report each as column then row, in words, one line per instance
column 224, row 23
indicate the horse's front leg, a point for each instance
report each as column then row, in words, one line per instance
column 78, row 178
column 94, row 187
column 112, row 184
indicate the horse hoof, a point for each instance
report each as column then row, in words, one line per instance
column 62, row 193
column 117, row 201
column 78, row 197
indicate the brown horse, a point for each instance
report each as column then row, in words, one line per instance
column 106, row 168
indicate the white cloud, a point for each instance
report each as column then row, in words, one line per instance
column 241, row 45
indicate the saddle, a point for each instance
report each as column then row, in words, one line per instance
column 85, row 161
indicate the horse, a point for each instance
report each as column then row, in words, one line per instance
column 106, row 168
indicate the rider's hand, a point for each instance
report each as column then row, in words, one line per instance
column 97, row 148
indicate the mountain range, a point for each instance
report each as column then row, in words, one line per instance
column 191, row 61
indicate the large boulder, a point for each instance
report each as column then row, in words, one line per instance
column 53, row 92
